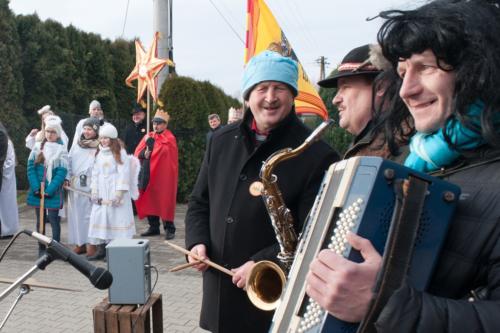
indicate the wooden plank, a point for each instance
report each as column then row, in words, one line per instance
column 98, row 314
column 111, row 317
column 125, row 319
column 157, row 313
column 137, row 320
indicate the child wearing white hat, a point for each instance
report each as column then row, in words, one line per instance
column 48, row 165
column 114, row 183
column 38, row 135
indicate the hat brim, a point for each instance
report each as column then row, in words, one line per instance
column 331, row 82
column 158, row 120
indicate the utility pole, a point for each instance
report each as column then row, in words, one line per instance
column 322, row 63
column 162, row 23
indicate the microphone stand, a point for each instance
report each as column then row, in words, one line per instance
column 41, row 263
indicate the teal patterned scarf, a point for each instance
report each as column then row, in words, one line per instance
column 430, row 152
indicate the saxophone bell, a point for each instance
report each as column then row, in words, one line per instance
column 265, row 284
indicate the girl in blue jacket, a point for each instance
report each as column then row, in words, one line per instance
column 48, row 163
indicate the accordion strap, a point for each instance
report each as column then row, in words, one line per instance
column 410, row 196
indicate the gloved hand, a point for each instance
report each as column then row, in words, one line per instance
column 150, row 142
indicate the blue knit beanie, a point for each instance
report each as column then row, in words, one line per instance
column 269, row 66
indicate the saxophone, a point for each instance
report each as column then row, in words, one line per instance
column 266, row 280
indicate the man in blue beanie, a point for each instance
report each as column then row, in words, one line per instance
column 224, row 221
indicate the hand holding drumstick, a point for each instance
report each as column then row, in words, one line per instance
column 193, row 257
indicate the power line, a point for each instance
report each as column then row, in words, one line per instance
column 125, row 20
column 227, row 22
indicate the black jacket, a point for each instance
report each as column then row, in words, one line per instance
column 133, row 135
column 371, row 143
column 234, row 225
column 469, row 261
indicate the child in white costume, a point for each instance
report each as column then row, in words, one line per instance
column 114, row 183
column 81, row 161
column 9, row 217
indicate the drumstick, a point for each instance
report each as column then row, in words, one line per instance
column 41, row 226
column 183, row 266
column 197, row 257
column 87, row 194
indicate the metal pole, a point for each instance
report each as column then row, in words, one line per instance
column 147, row 125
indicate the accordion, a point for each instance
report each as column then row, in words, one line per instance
column 359, row 195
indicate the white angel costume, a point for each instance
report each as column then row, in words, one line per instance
column 9, row 216
column 81, row 161
column 114, row 185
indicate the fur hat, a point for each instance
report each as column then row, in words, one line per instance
column 364, row 60
column 94, row 104
column 93, row 123
column 161, row 116
column 53, row 122
column 270, row 66
column 108, row 131
column 44, row 110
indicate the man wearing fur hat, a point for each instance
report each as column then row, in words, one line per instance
column 227, row 224
column 38, row 135
column 359, row 99
column 157, row 153
column 95, row 111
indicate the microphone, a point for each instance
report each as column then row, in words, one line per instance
column 99, row 277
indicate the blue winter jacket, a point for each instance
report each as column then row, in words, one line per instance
column 53, row 189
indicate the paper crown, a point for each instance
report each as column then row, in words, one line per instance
column 161, row 115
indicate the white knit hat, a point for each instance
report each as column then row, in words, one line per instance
column 53, row 122
column 44, row 110
column 94, row 104
column 108, row 131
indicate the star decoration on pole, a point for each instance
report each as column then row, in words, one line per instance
column 147, row 66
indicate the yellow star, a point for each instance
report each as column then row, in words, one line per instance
column 147, row 66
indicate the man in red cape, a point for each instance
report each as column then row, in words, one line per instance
column 157, row 152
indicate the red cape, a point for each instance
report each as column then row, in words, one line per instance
column 159, row 197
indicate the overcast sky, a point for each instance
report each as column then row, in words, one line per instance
column 206, row 48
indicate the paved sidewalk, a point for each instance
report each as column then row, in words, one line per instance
column 54, row 311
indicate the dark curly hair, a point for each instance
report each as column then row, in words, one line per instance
column 463, row 34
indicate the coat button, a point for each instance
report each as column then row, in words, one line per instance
column 243, row 177
column 229, row 219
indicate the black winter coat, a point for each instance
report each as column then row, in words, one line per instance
column 133, row 135
column 469, row 261
column 234, row 225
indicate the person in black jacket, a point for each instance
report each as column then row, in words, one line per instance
column 224, row 222
column 361, row 85
column 135, row 132
column 446, row 56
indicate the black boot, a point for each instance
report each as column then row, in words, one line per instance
column 154, row 226
column 100, row 254
column 169, row 230
column 151, row 232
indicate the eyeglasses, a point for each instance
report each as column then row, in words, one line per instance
column 50, row 132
